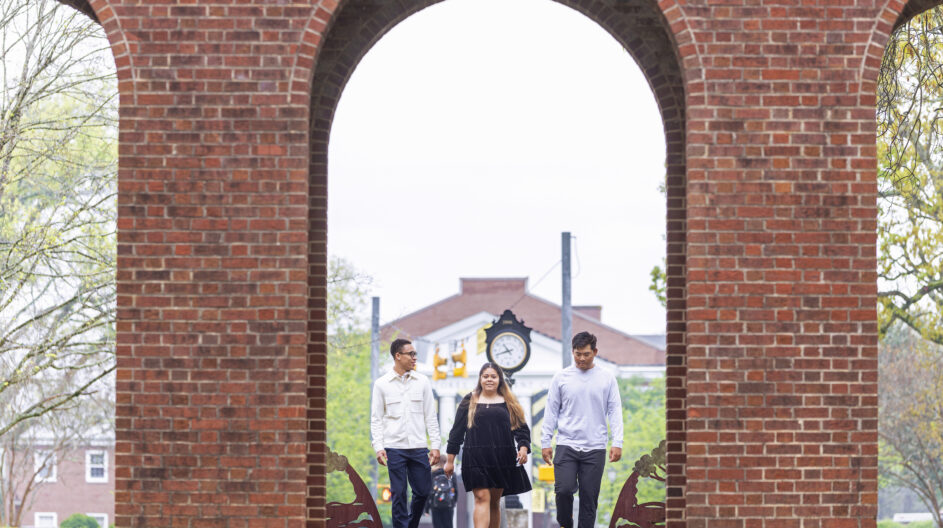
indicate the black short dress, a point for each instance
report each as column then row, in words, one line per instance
column 490, row 456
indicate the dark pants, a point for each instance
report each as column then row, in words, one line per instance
column 411, row 464
column 442, row 517
column 574, row 470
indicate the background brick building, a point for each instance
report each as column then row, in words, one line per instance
column 225, row 115
column 76, row 479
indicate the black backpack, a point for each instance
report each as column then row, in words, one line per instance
column 443, row 494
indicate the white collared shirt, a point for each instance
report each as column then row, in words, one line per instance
column 403, row 412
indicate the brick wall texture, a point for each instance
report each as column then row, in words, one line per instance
column 225, row 113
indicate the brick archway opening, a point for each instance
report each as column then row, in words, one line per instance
column 641, row 28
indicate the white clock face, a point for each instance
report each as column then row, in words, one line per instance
column 508, row 350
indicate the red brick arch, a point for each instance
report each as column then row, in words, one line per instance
column 646, row 32
column 768, row 109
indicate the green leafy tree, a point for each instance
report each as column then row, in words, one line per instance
column 910, row 178
column 58, row 163
column 911, row 417
column 658, row 276
column 910, row 269
column 658, row 284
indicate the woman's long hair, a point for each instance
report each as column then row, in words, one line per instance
column 514, row 406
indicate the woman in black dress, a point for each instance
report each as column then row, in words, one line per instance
column 490, row 422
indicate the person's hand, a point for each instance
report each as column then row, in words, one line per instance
column 615, row 453
column 434, row 457
column 381, row 457
column 522, row 455
column 448, row 468
column 547, row 453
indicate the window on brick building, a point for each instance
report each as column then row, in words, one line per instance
column 44, row 464
column 46, row 520
column 96, row 466
column 100, row 518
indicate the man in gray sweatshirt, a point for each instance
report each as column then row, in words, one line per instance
column 581, row 399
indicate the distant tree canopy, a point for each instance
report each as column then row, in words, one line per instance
column 910, row 257
column 910, row 178
column 58, row 166
column 911, row 416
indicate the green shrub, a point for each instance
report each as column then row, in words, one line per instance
column 78, row 520
column 887, row 523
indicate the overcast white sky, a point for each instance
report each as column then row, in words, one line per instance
column 474, row 133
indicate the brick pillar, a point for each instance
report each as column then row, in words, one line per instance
column 782, row 355
column 212, row 265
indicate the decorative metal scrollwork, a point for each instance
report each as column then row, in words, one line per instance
column 628, row 512
column 362, row 513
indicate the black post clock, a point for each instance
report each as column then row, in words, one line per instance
column 507, row 343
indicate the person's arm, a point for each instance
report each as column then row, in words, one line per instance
column 456, row 436
column 432, row 423
column 376, row 423
column 522, row 440
column 551, row 414
column 459, row 426
column 522, row 436
column 614, row 414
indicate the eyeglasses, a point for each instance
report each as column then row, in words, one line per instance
column 410, row 354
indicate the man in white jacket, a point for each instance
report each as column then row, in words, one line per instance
column 402, row 414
